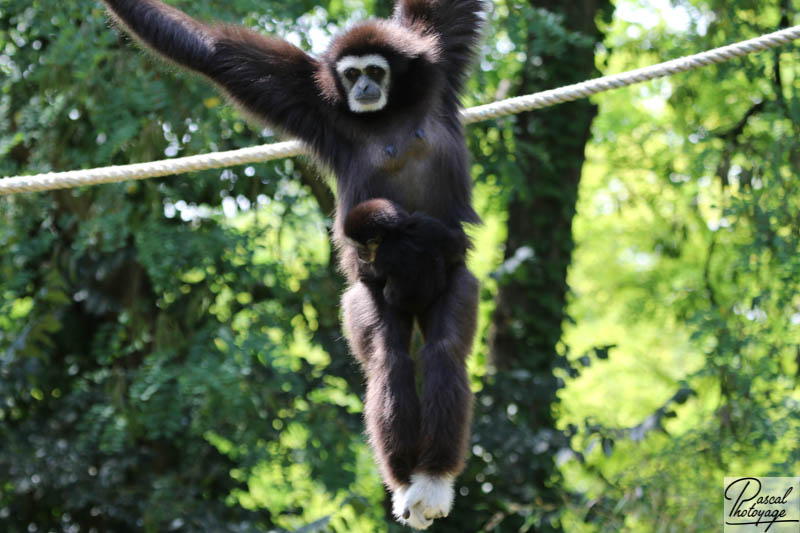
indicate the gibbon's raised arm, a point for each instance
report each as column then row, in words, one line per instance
column 269, row 78
column 458, row 24
column 166, row 30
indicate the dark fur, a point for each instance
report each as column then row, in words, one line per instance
column 412, row 153
column 413, row 253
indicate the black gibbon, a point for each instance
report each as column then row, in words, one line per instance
column 380, row 109
column 407, row 258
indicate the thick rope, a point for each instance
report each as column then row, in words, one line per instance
column 616, row 81
column 268, row 152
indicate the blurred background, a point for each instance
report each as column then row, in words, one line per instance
column 171, row 357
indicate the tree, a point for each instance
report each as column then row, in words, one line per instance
column 686, row 237
column 513, row 479
column 161, row 368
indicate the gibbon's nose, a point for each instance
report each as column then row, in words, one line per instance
column 368, row 92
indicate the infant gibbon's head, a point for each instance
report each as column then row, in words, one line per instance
column 366, row 225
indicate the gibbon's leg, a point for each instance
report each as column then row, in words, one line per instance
column 379, row 337
column 446, row 407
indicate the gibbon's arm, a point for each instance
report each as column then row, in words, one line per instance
column 269, row 78
column 458, row 23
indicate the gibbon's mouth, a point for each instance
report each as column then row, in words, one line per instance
column 368, row 99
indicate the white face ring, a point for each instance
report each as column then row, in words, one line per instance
column 361, row 63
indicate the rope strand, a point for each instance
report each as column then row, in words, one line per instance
column 268, row 152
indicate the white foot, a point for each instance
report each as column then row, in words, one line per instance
column 427, row 498
column 403, row 514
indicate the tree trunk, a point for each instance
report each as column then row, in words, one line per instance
column 531, row 300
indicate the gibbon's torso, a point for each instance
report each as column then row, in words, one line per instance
column 419, row 163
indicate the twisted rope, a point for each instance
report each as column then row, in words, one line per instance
column 154, row 169
column 268, row 152
column 616, row 81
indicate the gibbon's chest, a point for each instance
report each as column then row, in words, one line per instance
column 402, row 166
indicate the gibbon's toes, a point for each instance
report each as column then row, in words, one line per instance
column 429, row 497
column 407, row 514
column 399, row 509
column 416, row 519
column 433, row 514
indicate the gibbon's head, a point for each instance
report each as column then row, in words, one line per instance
column 380, row 65
column 365, row 80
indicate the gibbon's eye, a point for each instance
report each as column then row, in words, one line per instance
column 375, row 72
column 352, row 74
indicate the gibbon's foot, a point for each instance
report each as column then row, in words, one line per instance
column 403, row 514
column 427, row 498
column 408, row 517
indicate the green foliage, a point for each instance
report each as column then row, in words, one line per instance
column 512, row 482
column 686, row 261
column 159, row 340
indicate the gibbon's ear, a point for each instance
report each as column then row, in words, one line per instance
column 328, row 84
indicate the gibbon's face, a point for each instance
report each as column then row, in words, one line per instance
column 365, row 80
